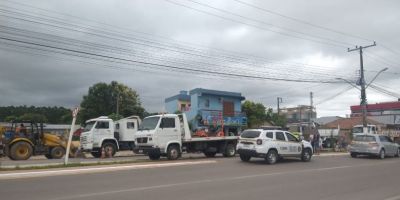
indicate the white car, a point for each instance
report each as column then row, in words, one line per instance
column 272, row 145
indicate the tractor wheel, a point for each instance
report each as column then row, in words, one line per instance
column 57, row 152
column 21, row 151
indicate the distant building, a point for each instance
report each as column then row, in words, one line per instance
column 207, row 108
column 387, row 113
column 301, row 113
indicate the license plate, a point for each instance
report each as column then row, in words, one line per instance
column 246, row 146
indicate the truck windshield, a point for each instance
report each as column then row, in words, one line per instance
column 250, row 134
column 364, row 138
column 358, row 130
column 149, row 123
column 88, row 126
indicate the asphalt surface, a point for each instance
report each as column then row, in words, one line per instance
column 325, row 177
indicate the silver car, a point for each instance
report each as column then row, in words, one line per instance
column 373, row 145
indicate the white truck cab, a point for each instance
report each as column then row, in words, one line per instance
column 169, row 135
column 103, row 132
column 272, row 145
column 359, row 129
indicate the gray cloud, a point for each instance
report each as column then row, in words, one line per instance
column 57, row 80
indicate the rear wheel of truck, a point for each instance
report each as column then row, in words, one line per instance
column 57, row 152
column 210, row 154
column 154, row 156
column 21, row 151
column 110, row 149
column 244, row 158
column 230, row 150
column 173, row 152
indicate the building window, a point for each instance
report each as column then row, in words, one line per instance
column 207, row 103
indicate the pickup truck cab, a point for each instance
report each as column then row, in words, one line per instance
column 103, row 133
column 169, row 135
column 272, row 145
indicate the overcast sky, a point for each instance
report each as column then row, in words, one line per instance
column 279, row 47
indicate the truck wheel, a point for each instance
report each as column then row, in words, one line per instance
column 382, row 154
column 272, row 157
column 230, row 150
column 306, row 155
column 210, row 154
column 244, row 158
column 154, row 156
column 21, row 151
column 173, row 152
column 57, row 152
column 109, row 147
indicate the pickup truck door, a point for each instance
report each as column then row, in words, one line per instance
column 295, row 146
column 167, row 132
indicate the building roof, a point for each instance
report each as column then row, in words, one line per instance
column 325, row 120
column 202, row 91
column 182, row 96
column 349, row 123
column 394, row 105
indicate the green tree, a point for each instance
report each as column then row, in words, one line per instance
column 255, row 112
column 33, row 117
column 105, row 99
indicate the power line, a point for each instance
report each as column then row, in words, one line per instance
column 252, row 25
column 159, row 65
column 269, row 24
column 302, row 21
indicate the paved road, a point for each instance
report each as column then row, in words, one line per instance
column 330, row 177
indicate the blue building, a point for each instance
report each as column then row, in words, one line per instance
column 206, row 109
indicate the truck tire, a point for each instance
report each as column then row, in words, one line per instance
column 210, row 154
column 109, row 147
column 230, row 150
column 306, row 155
column 244, row 158
column 21, row 151
column 272, row 157
column 57, row 152
column 173, row 152
column 154, row 156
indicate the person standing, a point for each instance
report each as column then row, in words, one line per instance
column 317, row 141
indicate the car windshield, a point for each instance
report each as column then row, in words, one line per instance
column 250, row 134
column 149, row 123
column 364, row 138
column 88, row 126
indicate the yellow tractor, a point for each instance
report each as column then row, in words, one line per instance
column 26, row 138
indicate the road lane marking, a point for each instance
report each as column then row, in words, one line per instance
column 98, row 169
column 79, row 196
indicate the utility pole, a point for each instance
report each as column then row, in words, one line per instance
column 279, row 100
column 311, row 107
column 362, row 83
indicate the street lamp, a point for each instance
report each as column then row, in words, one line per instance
column 364, row 95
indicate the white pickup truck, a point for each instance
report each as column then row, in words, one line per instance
column 169, row 135
column 103, row 132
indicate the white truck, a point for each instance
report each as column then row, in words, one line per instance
column 169, row 135
column 359, row 129
column 103, row 133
